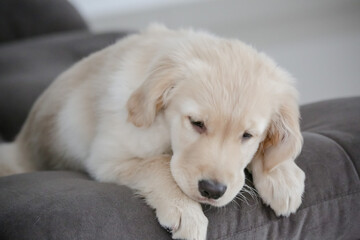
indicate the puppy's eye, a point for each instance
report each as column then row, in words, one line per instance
column 199, row 126
column 246, row 136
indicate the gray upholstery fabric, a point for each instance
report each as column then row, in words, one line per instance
column 69, row 205
column 27, row 18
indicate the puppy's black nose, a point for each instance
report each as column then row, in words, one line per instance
column 211, row 189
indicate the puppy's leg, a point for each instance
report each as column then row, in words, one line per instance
column 152, row 179
column 13, row 160
column 281, row 188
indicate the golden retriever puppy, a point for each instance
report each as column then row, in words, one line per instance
column 175, row 115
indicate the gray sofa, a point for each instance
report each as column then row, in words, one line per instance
column 68, row 205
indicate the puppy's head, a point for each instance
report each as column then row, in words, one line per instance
column 225, row 104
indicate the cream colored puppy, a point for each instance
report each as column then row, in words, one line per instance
column 175, row 115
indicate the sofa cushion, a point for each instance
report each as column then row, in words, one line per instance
column 69, row 205
column 337, row 120
column 28, row 18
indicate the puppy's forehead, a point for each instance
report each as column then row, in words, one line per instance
column 223, row 98
column 255, row 119
column 231, row 72
column 232, row 81
column 189, row 106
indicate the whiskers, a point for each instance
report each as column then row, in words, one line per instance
column 250, row 190
column 244, row 194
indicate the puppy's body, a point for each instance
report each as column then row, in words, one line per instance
column 215, row 104
column 87, row 100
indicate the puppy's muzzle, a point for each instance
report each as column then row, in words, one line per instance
column 211, row 189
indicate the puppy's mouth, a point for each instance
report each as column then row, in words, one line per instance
column 207, row 201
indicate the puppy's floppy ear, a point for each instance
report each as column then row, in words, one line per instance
column 283, row 140
column 152, row 95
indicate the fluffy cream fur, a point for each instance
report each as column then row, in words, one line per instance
column 123, row 115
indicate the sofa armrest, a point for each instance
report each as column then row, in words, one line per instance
column 26, row 18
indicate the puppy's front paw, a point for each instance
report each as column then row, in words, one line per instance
column 184, row 219
column 282, row 188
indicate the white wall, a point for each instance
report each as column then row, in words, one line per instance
column 97, row 8
column 317, row 41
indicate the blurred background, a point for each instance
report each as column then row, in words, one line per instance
column 318, row 42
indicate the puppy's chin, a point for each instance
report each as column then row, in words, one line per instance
column 223, row 201
column 207, row 201
column 212, row 202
